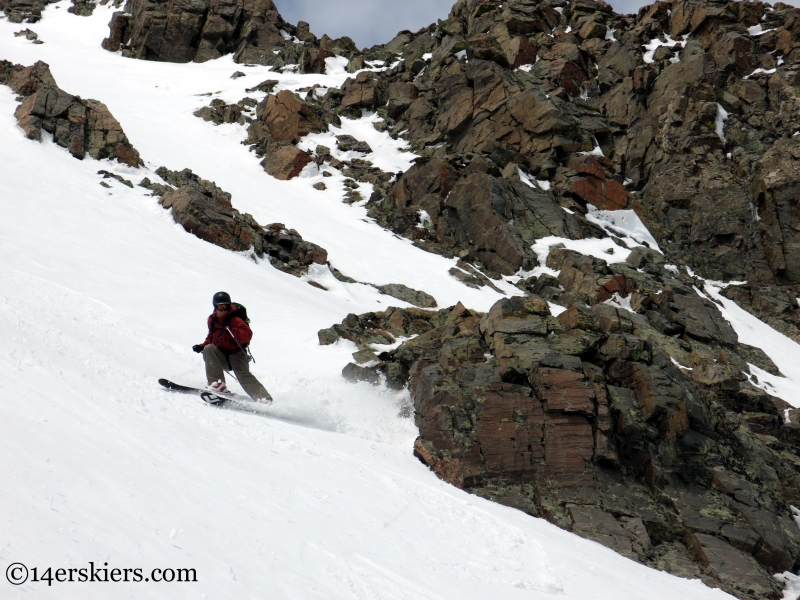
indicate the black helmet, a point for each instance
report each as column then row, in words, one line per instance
column 221, row 298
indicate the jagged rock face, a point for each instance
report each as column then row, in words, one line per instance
column 586, row 419
column 205, row 210
column 476, row 213
column 180, row 31
column 254, row 31
column 597, row 81
column 81, row 126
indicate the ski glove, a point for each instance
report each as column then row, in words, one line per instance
column 197, row 348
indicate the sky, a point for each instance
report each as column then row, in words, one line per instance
column 370, row 22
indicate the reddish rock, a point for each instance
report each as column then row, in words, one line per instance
column 569, row 448
column 313, row 60
column 587, row 165
column 286, row 162
column 288, row 118
column 118, row 31
column 731, row 566
column 606, row 194
column 563, row 390
column 28, row 80
column 520, row 51
column 361, row 92
column 510, row 434
column 447, row 469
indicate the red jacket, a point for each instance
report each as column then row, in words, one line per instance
column 219, row 336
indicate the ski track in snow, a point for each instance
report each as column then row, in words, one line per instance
column 317, row 496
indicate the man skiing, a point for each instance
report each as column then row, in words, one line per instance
column 224, row 349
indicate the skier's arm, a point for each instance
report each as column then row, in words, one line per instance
column 207, row 341
column 241, row 331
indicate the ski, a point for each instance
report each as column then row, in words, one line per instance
column 206, row 395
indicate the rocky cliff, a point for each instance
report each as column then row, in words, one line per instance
column 640, row 428
column 636, row 427
column 680, row 111
column 180, row 31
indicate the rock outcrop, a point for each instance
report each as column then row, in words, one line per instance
column 639, row 430
column 27, row 11
column 85, row 8
column 680, row 110
column 81, row 126
column 475, row 212
column 204, row 210
column 254, row 32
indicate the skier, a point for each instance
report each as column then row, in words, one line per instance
column 223, row 349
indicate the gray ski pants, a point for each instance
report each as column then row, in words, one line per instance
column 217, row 364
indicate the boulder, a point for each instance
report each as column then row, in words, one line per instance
column 81, row 126
column 286, row 162
column 407, row 294
column 288, row 118
column 119, row 32
column 347, row 143
column 362, row 92
column 586, row 421
column 83, row 8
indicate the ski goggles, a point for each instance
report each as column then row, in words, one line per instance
column 223, row 307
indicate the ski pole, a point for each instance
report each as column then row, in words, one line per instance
column 246, row 352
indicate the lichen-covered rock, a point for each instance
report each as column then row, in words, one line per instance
column 475, row 213
column 637, row 429
column 180, row 31
column 606, row 122
column 218, row 112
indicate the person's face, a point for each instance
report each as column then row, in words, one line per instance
column 222, row 309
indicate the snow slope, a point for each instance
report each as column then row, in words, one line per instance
column 317, row 496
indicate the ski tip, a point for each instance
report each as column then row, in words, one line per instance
column 212, row 398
